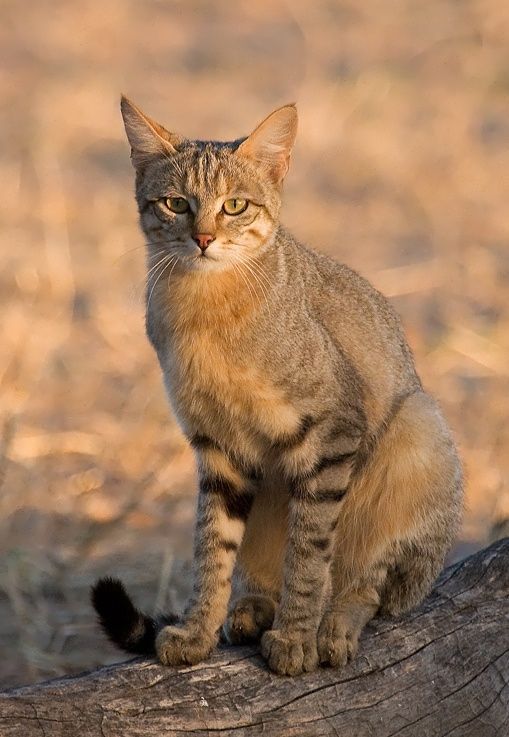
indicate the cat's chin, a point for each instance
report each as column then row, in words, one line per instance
column 204, row 264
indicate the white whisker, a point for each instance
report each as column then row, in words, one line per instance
column 171, row 272
column 130, row 250
column 259, row 269
column 161, row 261
column 256, row 281
column 244, row 278
column 250, row 266
column 168, row 263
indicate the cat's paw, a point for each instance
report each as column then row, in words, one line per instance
column 248, row 619
column 290, row 653
column 337, row 640
column 182, row 646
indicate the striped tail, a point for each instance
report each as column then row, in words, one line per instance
column 126, row 626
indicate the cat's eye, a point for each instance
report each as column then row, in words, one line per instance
column 178, row 205
column 235, row 206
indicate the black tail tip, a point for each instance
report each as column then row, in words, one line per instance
column 108, row 596
column 124, row 625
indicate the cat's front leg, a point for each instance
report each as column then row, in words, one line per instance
column 224, row 503
column 317, row 491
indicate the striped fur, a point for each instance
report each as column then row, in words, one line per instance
column 330, row 487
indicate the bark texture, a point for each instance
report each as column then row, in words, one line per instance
column 441, row 670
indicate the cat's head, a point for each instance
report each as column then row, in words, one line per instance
column 209, row 204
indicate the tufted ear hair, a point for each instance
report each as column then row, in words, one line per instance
column 148, row 139
column 270, row 144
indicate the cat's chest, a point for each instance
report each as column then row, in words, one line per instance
column 217, row 387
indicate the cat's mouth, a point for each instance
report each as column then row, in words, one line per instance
column 203, row 256
column 205, row 262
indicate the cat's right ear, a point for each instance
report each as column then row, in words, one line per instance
column 148, row 139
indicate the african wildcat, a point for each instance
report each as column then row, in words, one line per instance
column 330, row 487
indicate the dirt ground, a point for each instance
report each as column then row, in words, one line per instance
column 401, row 170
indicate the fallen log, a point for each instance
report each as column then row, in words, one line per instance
column 443, row 669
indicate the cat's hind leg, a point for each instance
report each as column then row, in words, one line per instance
column 248, row 618
column 411, row 575
column 392, row 587
column 395, row 527
column 345, row 617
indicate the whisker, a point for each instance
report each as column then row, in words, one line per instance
column 245, row 261
column 168, row 263
column 244, row 278
column 161, row 261
column 256, row 281
column 126, row 253
column 261, row 288
column 164, row 241
column 145, row 244
column 261, row 279
column 153, row 268
column 151, row 274
column 260, row 270
column 171, row 272
column 255, row 264
column 269, row 285
column 156, row 254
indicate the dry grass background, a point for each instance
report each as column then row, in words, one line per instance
column 401, row 169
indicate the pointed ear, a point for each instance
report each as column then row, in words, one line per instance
column 148, row 139
column 270, row 144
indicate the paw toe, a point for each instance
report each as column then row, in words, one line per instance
column 336, row 643
column 249, row 618
column 179, row 646
column 290, row 654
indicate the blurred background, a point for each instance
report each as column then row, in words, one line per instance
column 401, row 169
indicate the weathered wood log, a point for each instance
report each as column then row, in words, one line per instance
column 441, row 670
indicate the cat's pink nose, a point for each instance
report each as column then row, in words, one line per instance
column 203, row 240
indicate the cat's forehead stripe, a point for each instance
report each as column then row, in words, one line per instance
column 205, row 170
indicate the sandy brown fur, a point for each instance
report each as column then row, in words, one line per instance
column 329, row 484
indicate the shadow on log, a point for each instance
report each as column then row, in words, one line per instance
column 441, row 670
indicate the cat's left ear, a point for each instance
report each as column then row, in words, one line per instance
column 270, row 144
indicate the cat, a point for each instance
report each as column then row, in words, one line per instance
column 329, row 484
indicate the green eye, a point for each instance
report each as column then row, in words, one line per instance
column 177, row 204
column 235, row 206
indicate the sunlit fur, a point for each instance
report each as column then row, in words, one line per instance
column 330, row 487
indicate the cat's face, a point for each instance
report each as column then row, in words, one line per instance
column 207, row 205
column 208, row 195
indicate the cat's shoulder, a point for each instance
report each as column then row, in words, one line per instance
column 331, row 284
column 321, row 266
